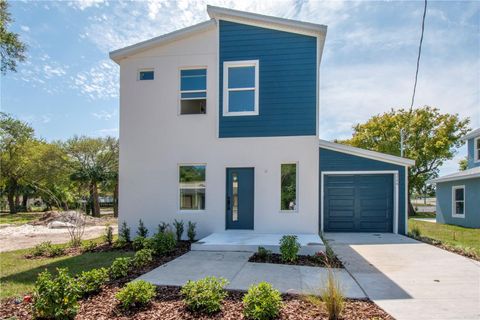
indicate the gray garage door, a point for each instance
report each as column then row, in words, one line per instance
column 358, row 203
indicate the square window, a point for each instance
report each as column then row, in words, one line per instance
column 193, row 91
column 240, row 88
column 288, row 189
column 192, row 187
column 146, row 75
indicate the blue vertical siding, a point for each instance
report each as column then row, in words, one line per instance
column 471, row 154
column 338, row 161
column 287, row 81
column 472, row 203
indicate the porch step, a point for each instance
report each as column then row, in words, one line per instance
column 249, row 241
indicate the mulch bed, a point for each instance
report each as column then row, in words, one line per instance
column 441, row 245
column 168, row 305
column 318, row 260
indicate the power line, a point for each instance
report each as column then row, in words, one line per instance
column 419, row 54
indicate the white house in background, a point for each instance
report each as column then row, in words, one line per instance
column 219, row 126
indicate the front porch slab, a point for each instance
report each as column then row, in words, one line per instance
column 249, row 241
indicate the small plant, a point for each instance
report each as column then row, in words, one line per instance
column 205, row 295
column 415, row 233
column 332, row 297
column 120, row 267
column 262, row 302
column 120, row 244
column 264, row 254
column 191, row 233
column 124, row 233
column 55, row 297
column 289, row 247
column 142, row 230
column 89, row 246
column 108, row 236
column 163, row 227
column 55, row 251
column 91, row 281
column 136, row 293
column 142, row 258
column 47, row 249
column 164, row 242
column 138, row 243
column 179, row 227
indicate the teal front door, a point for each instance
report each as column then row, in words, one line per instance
column 240, row 198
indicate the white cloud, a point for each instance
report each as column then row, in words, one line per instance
column 105, row 115
column 84, row 4
column 107, row 132
column 25, row 28
column 99, row 82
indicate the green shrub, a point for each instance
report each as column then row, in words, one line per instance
column 262, row 302
column 415, row 233
column 264, row 254
column 332, row 297
column 88, row 246
column 47, row 249
column 163, row 227
column 56, row 251
column 142, row 230
column 120, row 244
column 142, row 258
column 179, row 227
column 55, row 297
column 120, row 267
column 108, row 236
column 289, row 247
column 205, row 295
column 164, row 242
column 191, row 232
column 149, row 243
column 91, row 281
column 136, row 293
column 124, row 233
column 138, row 243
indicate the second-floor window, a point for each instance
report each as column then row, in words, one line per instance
column 476, row 149
column 193, row 91
column 240, row 88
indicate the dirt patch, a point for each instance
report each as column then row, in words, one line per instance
column 317, row 260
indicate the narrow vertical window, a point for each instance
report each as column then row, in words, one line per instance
column 193, row 91
column 288, row 187
column 192, row 187
column 235, row 196
column 240, row 88
column 476, row 149
column 458, row 201
column 147, row 74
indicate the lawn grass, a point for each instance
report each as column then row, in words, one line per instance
column 451, row 235
column 18, row 274
column 19, row 218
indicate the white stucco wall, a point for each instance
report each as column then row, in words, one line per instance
column 154, row 140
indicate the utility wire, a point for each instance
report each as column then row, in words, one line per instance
column 419, row 54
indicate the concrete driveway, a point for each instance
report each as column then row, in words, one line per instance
column 410, row 279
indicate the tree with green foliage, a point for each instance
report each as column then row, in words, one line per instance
column 430, row 139
column 463, row 164
column 12, row 50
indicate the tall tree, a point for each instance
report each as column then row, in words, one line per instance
column 12, row 50
column 17, row 144
column 431, row 140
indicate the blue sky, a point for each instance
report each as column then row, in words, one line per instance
column 69, row 86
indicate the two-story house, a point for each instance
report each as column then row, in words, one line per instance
column 458, row 194
column 219, row 126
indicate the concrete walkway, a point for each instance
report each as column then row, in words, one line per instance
column 411, row 279
column 241, row 274
column 432, row 220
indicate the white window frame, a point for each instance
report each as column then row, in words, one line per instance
column 226, row 90
column 454, row 202
column 178, row 188
column 476, row 150
column 143, row 70
column 296, row 187
column 179, row 108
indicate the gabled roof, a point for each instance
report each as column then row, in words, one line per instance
column 366, row 153
column 261, row 20
column 119, row 54
column 461, row 175
column 472, row 134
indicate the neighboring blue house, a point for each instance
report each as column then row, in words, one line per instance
column 219, row 126
column 458, row 194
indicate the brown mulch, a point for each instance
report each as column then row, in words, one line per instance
column 169, row 305
column 317, row 260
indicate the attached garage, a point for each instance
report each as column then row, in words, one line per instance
column 361, row 190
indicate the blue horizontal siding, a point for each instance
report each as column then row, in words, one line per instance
column 338, row 161
column 287, row 81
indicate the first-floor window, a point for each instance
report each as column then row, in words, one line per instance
column 458, row 199
column 192, row 187
column 288, row 187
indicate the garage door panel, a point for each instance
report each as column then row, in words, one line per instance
column 358, row 203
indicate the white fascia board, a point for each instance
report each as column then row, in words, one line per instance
column 472, row 134
column 366, row 153
column 461, row 175
column 295, row 26
column 122, row 53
